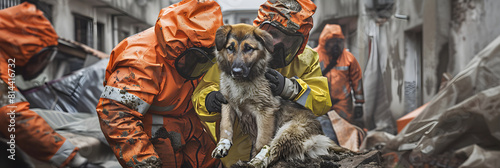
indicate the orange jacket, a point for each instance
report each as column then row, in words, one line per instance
column 344, row 77
column 145, row 110
column 24, row 32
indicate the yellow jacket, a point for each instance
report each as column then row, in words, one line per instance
column 314, row 96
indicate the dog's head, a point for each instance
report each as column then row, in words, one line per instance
column 243, row 50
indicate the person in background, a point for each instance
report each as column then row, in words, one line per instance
column 27, row 44
column 145, row 110
column 344, row 78
column 295, row 73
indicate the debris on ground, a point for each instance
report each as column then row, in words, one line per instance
column 372, row 159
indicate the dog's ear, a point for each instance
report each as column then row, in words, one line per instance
column 265, row 38
column 221, row 36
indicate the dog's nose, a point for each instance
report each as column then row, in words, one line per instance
column 237, row 71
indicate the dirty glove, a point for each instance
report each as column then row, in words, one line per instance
column 214, row 100
column 358, row 110
column 282, row 86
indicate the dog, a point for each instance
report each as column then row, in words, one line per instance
column 280, row 129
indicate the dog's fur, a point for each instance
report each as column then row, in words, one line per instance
column 289, row 129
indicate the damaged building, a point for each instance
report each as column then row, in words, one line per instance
column 416, row 55
column 405, row 47
column 429, row 76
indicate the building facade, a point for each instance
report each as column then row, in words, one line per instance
column 405, row 47
column 100, row 24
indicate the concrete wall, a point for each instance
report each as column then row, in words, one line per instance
column 427, row 39
column 403, row 47
column 398, row 44
column 474, row 25
column 436, row 45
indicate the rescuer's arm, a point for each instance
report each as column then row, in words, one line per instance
column 127, row 95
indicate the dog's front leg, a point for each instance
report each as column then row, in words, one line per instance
column 226, row 132
column 265, row 129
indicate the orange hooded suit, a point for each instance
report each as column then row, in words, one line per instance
column 145, row 110
column 25, row 32
column 344, row 77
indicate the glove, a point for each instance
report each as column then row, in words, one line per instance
column 282, row 86
column 358, row 110
column 276, row 81
column 214, row 100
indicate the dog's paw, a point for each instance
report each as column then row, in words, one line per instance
column 258, row 163
column 222, row 148
column 261, row 159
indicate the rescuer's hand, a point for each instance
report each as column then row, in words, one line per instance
column 282, row 86
column 276, row 81
column 214, row 101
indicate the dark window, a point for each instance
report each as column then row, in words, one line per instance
column 83, row 29
column 100, row 36
column 46, row 9
column 84, row 32
column 9, row 3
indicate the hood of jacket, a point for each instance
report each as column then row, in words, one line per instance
column 24, row 32
column 295, row 15
column 330, row 31
column 187, row 24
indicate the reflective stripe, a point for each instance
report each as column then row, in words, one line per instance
column 125, row 98
column 342, row 68
column 63, row 153
column 359, row 97
column 159, row 108
column 156, row 124
column 303, row 99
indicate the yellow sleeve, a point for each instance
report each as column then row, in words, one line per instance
column 209, row 83
column 315, row 94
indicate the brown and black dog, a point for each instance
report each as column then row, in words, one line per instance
column 283, row 129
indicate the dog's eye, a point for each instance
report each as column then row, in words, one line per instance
column 230, row 48
column 248, row 48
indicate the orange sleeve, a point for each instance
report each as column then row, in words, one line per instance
column 128, row 93
column 27, row 129
column 355, row 76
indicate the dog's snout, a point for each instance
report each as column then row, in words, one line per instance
column 237, row 71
